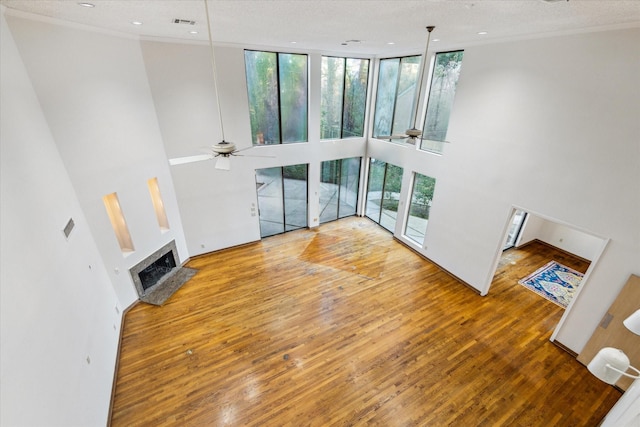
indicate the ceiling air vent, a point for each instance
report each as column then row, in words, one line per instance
column 184, row 21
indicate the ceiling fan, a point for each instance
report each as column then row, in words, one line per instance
column 223, row 150
column 220, row 151
column 413, row 134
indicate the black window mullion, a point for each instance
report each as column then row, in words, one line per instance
column 308, row 106
column 395, row 102
column 384, row 184
column 364, row 113
column 339, row 174
column 284, row 208
column 307, row 193
column 279, row 100
column 344, row 84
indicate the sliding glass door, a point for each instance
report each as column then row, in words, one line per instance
column 383, row 193
column 339, row 183
column 282, row 199
column 421, row 197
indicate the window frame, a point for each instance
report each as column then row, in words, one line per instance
column 428, row 99
column 286, row 227
column 395, row 97
column 279, row 96
column 415, row 178
column 340, row 163
column 344, row 96
column 382, row 191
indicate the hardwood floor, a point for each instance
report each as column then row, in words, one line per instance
column 344, row 326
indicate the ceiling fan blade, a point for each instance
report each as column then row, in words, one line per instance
column 243, row 149
column 223, row 163
column 251, row 155
column 189, row 159
column 391, row 136
column 435, row 140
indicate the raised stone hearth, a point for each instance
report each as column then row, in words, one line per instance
column 159, row 275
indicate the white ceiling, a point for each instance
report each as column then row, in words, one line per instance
column 325, row 25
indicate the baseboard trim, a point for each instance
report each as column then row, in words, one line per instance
column 556, row 248
column 115, row 370
column 565, row 348
column 194, row 257
column 438, row 265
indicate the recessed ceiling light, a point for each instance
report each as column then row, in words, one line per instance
column 193, row 32
column 293, row 42
column 482, row 33
column 435, row 40
column 136, row 22
column 86, row 4
column 391, row 43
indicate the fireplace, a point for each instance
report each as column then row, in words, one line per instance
column 153, row 273
column 159, row 275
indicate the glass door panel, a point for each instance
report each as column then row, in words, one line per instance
column 339, row 183
column 383, row 193
column 295, row 196
column 421, row 197
column 329, row 188
column 377, row 170
column 390, row 197
column 270, row 201
column 349, row 185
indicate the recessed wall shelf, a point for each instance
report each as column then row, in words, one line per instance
column 119, row 224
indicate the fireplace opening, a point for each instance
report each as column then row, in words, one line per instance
column 159, row 275
column 153, row 273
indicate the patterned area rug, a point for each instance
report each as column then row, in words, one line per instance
column 555, row 282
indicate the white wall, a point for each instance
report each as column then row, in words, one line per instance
column 58, row 307
column 531, row 229
column 96, row 98
column 560, row 236
column 573, row 241
column 550, row 124
column 216, row 205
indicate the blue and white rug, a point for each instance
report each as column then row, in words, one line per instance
column 555, row 282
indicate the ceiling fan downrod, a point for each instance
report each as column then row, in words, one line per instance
column 423, row 66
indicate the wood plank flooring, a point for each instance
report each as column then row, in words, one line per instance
column 344, row 326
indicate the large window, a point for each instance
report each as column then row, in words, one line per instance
column 383, row 193
column 277, row 89
column 396, row 95
column 441, row 94
column 343, row 97
column 421, row 197
column 339, row 183
column 282, row 199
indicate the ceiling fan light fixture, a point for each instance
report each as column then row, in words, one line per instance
column 223, row 163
